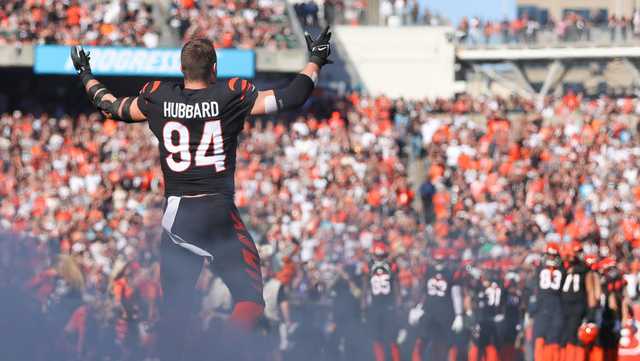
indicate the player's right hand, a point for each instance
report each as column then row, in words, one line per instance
column 458, row 324
column 80, row 60
column 415, row 314
column 320, row 48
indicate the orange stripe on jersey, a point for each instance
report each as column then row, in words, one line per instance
column 232, row 83
column 244, row 88
column 144, row 88
column 156, row 85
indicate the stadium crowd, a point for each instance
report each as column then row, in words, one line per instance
column 572, row 27
column 61, row 22
column 81, row 200
column 140, row 22
column 243, row 24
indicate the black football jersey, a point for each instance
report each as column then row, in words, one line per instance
column 574, row 284
column 197, row 131
column 549, row 287
column 438, row 287
column 513, row 306
column 382, row 281
column 490, row 300
column 612, row 281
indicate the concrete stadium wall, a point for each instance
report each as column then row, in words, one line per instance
column 16, row 56
column 413, row 62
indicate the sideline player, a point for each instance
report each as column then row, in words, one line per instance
column 443, row 307
column 197, row 124
column 547, row 308
column 577, row 298
column 490, row 300
column 614, row 311
column 383, row 290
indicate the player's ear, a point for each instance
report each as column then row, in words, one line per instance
column 214, row 71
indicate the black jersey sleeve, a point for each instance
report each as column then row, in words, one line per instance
column 148, row 100
column 243, row 97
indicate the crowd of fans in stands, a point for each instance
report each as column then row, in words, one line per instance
column 81, row 200
column 572, row 27
column 61, row 22
column 231, row 23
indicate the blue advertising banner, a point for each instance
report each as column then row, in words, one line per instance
column 123, row 61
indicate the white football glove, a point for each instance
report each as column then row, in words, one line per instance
column 498, row 318
column 415, row 314
column 284, row 331
column 402, row 336
column 458, row 324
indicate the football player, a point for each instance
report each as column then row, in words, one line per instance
column 578, row 297
column 197, row 123
column 443, row 309
column 546, row 307
column 383, row 292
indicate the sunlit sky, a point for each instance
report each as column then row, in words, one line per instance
column 485, row 9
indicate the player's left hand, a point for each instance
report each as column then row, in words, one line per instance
column 320, row 48
column 80, row 60
column 458, row 324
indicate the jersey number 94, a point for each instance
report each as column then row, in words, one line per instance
column 180, row 157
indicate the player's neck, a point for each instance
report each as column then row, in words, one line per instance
column 195, row 84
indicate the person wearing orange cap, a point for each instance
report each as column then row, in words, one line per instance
column 547, row 306
column 578, row 296
column 382, row 292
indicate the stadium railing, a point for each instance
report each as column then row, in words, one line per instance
column 548, row 37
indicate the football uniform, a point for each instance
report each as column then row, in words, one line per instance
column 382, row 309
column 489, row 304
column 510, row 329
column 513, row 314
column 574, row 301
column 197, row 132
column 613, row 285
column 438, row 306
column 460, row 341
column 548, row 316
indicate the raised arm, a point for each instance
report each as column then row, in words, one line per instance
column 299, row 89
column 124, row 109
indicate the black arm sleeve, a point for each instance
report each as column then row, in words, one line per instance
column 113, row 109
column 295, row 94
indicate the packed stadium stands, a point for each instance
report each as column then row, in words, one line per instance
column 140, row 22
column 235, row 23
column 63, row 22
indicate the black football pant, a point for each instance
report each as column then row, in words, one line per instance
column 195, row 228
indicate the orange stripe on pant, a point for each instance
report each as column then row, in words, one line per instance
column 538, row 353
